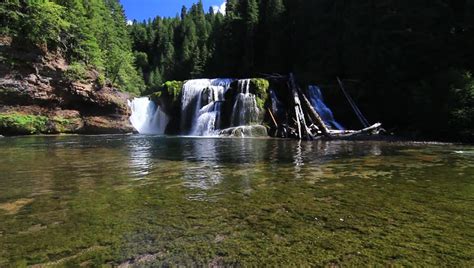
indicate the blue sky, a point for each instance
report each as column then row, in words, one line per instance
column 144, row 9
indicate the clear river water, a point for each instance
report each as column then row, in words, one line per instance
column 164, row 201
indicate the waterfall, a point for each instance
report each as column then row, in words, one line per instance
column 316, row 98
column 245, row 110
column 277, row 106
column 201, row 106
column 147, row 117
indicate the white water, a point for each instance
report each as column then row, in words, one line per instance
column 316, row 98
column 245, row 110
column 147, row 117
column 277, row 106
column 201, row 106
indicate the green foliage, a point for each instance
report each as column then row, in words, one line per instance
column 173, row 89
column 23, row 124
column 169, row 92
column 40, row 22
column 101, row 80
column 45, row 23
column 141, row 59
column 155, row 80
column 92, row 32
column 10, row 17
column 76, row 71
column 461, row 108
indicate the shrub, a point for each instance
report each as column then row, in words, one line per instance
column 76, row 72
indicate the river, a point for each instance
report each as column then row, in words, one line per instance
column 158, row 201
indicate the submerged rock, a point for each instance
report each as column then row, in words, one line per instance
column 245, row 131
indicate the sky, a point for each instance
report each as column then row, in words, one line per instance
column 144, row 9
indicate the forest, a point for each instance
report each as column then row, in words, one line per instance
column 91, row 34
column 407, row 64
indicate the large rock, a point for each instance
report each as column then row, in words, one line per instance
column 107, row 125
column 245, row 131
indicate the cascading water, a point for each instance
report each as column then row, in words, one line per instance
column 147, row 117
column 245, row 110
column 201, row 106
column 316, row 98
column 277, row 106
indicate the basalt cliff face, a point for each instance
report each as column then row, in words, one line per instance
column 38, row 97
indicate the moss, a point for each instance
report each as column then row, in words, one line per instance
column 23, row 124
column 260, row 86
column 156, row 96
column 20, row 124
column 173, row 89
column 340, row 213
column 63, row 125
column 169, row 93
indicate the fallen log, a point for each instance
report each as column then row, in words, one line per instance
column 303, row 129
column 273, row 118
column 356, row 109
column 374, row 129
column 315, row 116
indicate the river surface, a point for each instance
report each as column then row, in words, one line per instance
column 159, row 201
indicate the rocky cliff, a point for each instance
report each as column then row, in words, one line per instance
column 38, row 95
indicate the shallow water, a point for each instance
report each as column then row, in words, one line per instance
column 136, row 200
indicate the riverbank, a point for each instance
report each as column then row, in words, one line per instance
column 40, row 93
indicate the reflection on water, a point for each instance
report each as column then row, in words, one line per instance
column 90, row 200
column 140, row 158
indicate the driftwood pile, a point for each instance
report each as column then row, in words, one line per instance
column 305, row 123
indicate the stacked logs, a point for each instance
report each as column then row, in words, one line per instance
column 303, row 121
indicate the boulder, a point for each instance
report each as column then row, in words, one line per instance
column 245, row 131
column 106, row 125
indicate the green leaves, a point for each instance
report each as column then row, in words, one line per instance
column 91, row 34
column 37, row 22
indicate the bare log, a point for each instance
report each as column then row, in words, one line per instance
column 273, row 118
column 356, row 109
column 303, row 128
column 374, row 129
column 315, row 116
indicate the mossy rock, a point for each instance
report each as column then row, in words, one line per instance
column 245, row 131
column 60, row 124
column 261, row 88
column 170, row 93
column 169, row 98
column 173, row 89
column 19, row 124
column 24, row 124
